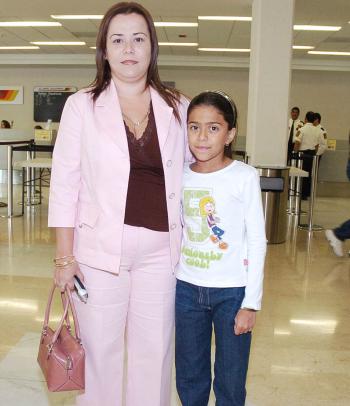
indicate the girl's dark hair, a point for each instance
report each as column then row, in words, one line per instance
column 103, row 74
column 223, row 104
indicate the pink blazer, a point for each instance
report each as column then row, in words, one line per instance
column 90, row 174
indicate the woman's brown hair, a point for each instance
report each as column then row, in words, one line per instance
column 103, row 75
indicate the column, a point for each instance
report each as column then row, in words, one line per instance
column 269, row 82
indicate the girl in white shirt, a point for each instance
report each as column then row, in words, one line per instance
column 220, row 273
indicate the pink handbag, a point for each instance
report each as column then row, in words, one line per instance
column 61, row 355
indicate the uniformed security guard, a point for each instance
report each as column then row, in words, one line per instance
column 294, row 125
column 307, row 140
column 323, row 146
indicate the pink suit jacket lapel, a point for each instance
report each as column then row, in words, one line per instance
column 111, row 115
column 162, row 114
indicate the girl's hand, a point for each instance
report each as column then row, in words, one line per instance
column 64, row 276
column 244, row 321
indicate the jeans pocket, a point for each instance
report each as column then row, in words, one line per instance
column 184, row 294
column 237, row 294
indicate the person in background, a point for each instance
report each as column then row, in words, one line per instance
column 294, row 125
column 115, row 203
column 338, row 235
column 307, row 140
column 5, row 124
column 323, row 145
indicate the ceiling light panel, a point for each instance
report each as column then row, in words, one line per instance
column 243, row 50
column 25, row 47
column 224, row 18
column 333, row 53
column 30, row 24
column 77, row 16
column 316, row 28
column 58, row 43
column 178, row 44
column 303, row 47
column 175, row 24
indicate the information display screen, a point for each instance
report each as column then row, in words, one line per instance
column 49, row 102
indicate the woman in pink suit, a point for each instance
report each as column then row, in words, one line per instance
column 114, row 201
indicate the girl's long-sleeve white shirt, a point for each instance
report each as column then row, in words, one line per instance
column 223, row 241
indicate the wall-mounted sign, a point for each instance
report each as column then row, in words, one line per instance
column 49, row 102
column 11, row 94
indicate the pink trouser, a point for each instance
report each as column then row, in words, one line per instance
column 137, row 304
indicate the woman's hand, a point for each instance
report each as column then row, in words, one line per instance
column 64, row 276
column 244, row 321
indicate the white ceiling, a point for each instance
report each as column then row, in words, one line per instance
column 208, row 34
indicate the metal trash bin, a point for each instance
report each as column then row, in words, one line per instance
column 274, row 188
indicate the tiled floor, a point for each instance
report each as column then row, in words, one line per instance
column 301, row 346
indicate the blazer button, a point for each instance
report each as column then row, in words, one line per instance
column 169, row 163
column 172, row 227
column 171, row 196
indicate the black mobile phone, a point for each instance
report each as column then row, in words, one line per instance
column 80, row 289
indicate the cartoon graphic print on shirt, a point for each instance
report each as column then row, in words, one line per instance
column 201, row 227
column 207, row 209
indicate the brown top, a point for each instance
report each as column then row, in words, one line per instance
column 146, row 198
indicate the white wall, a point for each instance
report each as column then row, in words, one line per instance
column 322, row 91
column 30, row 77
column 327, row 93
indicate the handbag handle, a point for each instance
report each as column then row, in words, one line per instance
column 63, row 299
column 67, row 302
column 74, row 314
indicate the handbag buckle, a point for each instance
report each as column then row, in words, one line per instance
column 49, row 350
column 69, row 363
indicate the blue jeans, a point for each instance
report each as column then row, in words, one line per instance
column 343, row 231
column 196, row 310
